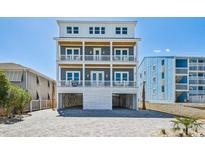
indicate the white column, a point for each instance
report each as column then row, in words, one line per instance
column 59, row 74
column 83, row 75
column 111, row 84
column 110, row 51
column 83, row 48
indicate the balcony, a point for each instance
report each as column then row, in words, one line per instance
column 98, row 58
column 89, row 83
column 197, row 92
column 181, row 87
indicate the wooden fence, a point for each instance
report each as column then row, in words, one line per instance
column 36, row 105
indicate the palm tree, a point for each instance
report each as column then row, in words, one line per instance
column 185, row 124
column 143, row 96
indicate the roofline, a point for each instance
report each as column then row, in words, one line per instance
column 95, row 21
column 168, row 57
column 29, row 70
column 91, row 38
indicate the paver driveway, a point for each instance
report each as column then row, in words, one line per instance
column 76, row 122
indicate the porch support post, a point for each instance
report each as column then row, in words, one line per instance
column 111, row 51
column 111, row 84
column 83, row 50
column 83, row 75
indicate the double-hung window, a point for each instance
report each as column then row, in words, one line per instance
column 117, row 30
column 121, row 54
column 73, row 77
column 69, row 30
column 75, row 30
column 97, row 30
column 72, row 30
column 102, row 30
column 121, row 76
column 91, row 30
column 73, row 53
column 124, row 30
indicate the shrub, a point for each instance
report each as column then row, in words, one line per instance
column 4, row 87
column 12, row 98
column 185, row 124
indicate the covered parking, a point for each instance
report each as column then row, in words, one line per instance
column 71, row 100
column 127, row 101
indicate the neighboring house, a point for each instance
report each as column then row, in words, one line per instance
column 96, row 64
column 41, row 87
column 172, row 79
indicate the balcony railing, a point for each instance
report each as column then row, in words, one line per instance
column 181, row 87
column 197, row 92
column 97, row 58
column 89, row 83
column 71, row 57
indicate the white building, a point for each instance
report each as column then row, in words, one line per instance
column 96, row 64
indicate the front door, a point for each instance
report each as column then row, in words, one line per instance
column 97, row 78
column 97, row 54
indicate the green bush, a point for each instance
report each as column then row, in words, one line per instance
column 4, row 88
column 13, row 97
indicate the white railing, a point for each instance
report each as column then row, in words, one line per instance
column 97, row 58
column 123, row 58
column 197, row 92
column 181, row 86
column 70, row 83
column 124, row 84
column 89, row 83
column 71, row 57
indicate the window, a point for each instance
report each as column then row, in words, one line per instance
column 162, row 75
column 117, row 76
column 48, row 84
column 154, row 68
column 69, row 30
column 124, row 52
column 97, row 30
column 102, row 30
column 154, row 79
column 37, row 96
column 37, row 80
column 124, row 76
column 154, row 91
column 124, row 30
column 72, row 53
column 121, row 76
column 73, row 75
column 162, row 88
column 162, row 62
column 91, row 30
column 118, row 30
column 140, row 75
column 75, row 30
column 49, row 97
column 118, row 52
column 144, row 73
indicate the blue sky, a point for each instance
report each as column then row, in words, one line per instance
column 29, row 41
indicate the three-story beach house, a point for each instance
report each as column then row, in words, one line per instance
column 96, row 64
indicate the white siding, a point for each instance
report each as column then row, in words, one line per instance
column 94, row 98
column 109, row 30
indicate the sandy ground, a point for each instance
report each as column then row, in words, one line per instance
column 76, row 122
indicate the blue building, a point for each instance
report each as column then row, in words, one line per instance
column 169, row 79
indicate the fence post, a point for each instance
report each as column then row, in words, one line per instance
column 31, row 106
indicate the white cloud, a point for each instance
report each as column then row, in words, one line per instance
column 157, row 51
column 167, row 50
